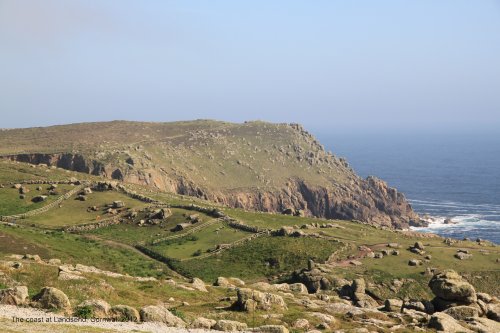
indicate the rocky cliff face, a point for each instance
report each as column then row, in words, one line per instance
column 256, row 166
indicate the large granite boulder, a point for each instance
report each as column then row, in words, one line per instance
column 443, row 322
column 124, row 313
column 52, row 298
column 462, row 312
column 203, row 323
column 99, row 308
column 162, row 315
column 250, row 300
column 14, row 296
column 230, row 326
column 451, row 287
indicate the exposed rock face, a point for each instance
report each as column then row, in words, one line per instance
column 52, row 298
column 334, row 191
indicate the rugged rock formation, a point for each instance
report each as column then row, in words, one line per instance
column 257, row 166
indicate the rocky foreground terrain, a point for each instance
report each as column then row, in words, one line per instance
column 97, row 255
column 256, row 166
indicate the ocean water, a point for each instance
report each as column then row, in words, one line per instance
column 454, row 176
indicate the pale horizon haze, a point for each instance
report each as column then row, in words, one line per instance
column 334, row 66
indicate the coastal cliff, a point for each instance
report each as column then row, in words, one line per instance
column 255, row 166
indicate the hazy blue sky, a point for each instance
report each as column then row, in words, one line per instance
column 385, row 65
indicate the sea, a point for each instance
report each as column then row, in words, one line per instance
column 444, row 176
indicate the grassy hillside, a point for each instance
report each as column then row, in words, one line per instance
column 211, row 247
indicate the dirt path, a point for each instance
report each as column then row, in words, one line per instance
column 9, row 313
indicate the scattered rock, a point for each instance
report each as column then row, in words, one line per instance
column 198, row 284
column 449, row 286
column 270, row 329
column 462, row 312
column 14, row 296
column 203, row 323
column 230, row 326
column 463, row 256
column 100, row 308
column 414, row 262
column 52, row 298
column 301, row 324
column 34, row 257
column 124, row 313
column 250, row 300
column 54, row 261
column 443, row 322
column 393, row 305
column 162, row 315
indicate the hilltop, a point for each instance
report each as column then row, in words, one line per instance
column 255, row 165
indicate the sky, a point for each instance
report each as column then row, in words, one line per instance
column 334, row 66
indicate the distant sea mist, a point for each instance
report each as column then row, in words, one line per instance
column 453, row 178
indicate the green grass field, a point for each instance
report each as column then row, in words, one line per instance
column 75, row 212
column 201, row 241
column 11, row 204
column 260, row 258
column 131, row 233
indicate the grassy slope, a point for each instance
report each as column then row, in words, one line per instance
column 12, row 204
column 251, row 155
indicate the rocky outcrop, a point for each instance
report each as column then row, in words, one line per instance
column 98, row 308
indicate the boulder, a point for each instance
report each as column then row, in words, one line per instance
column 299, row 288
column 483, row 325
column 14, row 296
column 228, row 282
column 419, row 245
column 484, row 297
column 100, row 308
column 118, row 204
column 54, row 261
column 198, row 284
column 323, row 317
column 393, row 305
column 203, row 323
column 230, row 326
column 421, row 306
column 52, row 298
column 414, row 262
column 124, row 313
column 463, row 256
column 443, row 322
column 162, row 315
column 271, row 329
column 493, row 312
column 250, row 300
column 301, row 324
column 462, row 312
column 34, row 257
column 449, row 285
